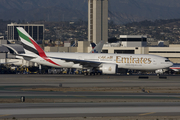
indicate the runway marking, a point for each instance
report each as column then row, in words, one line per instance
column 4, row 115
column 147, row 113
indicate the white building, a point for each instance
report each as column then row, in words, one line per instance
column 133, row 40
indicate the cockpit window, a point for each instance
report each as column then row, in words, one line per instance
column 167, row 61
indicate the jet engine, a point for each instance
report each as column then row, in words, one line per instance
column 108, row 68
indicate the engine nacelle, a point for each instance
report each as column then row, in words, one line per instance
column 108, row 68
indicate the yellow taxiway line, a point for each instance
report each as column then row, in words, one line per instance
column 147, row 113
column 4, row 115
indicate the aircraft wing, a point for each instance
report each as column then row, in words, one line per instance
column 85, row 63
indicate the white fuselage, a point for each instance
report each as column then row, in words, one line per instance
column 126, row 61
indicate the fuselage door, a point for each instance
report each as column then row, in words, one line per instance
column 154, row 61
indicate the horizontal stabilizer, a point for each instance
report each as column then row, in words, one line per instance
column 26, row 57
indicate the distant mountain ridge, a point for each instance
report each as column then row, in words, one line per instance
column 120, row 11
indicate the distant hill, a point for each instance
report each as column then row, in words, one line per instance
column 120, row 11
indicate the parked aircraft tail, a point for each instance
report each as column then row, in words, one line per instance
column 97, row 48
column 93, row 45
column 29, row 43
column 32, row 49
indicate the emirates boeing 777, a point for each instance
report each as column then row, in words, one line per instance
column 105, row 62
